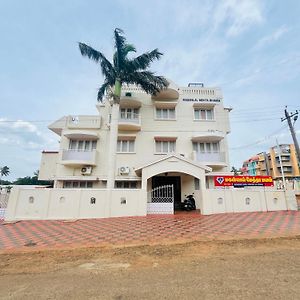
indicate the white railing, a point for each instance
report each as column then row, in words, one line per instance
column 134, row 119
column 79, row 155
column 210, row 157
column 84, row 122
column 202, row 91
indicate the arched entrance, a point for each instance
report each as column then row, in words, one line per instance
column 184, row 175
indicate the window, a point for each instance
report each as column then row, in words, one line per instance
column 204, row 114
column 79, row 145
column 164, row 146
column 77, row 184
column 125, row 146
column 165, row 113
column 206, row 147
column 129, row 113
column 126, row 184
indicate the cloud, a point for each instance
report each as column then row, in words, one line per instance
column 22, row 134
column 271, row 38
column 238, row 15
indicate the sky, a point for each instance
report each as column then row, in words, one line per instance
column 248, row 48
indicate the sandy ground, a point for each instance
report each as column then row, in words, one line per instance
column 244, row 269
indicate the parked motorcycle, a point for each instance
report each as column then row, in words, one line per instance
column 189, row 202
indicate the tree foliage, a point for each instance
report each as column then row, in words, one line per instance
column 123, row 69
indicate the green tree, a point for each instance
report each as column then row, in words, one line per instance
column 123, row 70
column 236, row 171
column 4, row 171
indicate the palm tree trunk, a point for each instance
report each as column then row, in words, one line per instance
column 113, row 136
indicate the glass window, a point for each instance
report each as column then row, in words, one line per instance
column 125, row 146
column 206, row 147
column 171, row 113
column 131, row 146
column 94, row 145
column 204, row 114
column 215, row 147
column 89, row 184
column 165, row 146
column 87, row 145
column 201, row 147
column 82, row 184
column 209, row 114
column 165, row 113
column 75, row 184
column 126, row 184
column 72, row 145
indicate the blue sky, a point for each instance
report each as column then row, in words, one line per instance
column 250, row 48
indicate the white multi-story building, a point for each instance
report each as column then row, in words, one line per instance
column 179, row 134
column 141, row 157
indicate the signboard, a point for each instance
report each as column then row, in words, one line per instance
column 241, row 181
column 200, row 100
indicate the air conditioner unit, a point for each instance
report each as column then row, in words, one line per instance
column 87, row 170
column 124, row 170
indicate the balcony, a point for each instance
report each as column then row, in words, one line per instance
column 209, row 136
column 83, row 122
column 78, row 158
column 131, row 123
column 210, row 159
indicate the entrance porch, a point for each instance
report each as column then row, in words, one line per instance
column 167, row 182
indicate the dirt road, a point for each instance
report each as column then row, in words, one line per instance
column 245, row 269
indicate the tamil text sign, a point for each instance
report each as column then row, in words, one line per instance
column 240, row 181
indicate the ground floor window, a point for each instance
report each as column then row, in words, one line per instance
column 78, row 184
column 126, row 184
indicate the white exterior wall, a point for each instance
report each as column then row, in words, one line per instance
column 55, row 204
column 64, row 204
column 234, row 201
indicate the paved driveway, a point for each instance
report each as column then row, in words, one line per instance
column 146, row 230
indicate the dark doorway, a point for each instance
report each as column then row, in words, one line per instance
column 168, row 180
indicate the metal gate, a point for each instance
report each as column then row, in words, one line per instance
column 3, row 205
column 160, row 200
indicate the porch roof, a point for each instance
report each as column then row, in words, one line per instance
column 179, row 157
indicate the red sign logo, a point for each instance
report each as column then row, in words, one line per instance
column 240, row 181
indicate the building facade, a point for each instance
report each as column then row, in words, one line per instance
column 268, row 164
column 190, row 123
column 140, row 157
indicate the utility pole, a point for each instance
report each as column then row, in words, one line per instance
column 288, row 117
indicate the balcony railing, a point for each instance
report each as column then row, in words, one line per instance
column 213, row 157
column 132, row 122
column 76, row 157
column 84, row 122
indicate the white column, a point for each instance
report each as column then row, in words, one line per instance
column 112, row 145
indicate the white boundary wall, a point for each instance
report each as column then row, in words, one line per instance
column 68, row 204
column 55, row 204
column 233, row 200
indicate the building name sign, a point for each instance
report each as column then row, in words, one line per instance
column 200, row 100
column 241, row 181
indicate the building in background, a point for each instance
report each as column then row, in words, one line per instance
column 268, row 164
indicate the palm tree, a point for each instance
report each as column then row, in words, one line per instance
column 4, row 171
column 123, row 70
